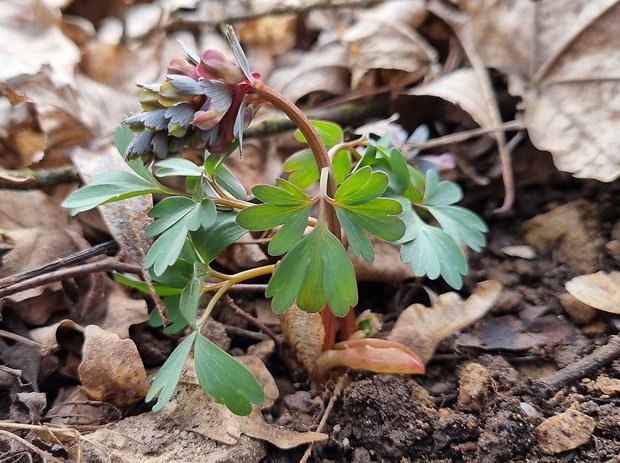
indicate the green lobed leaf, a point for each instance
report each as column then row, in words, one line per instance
column 190, row 299
column 315, row 271
column 166, row 249
column 110, row 186
column 178, row 167
column 169, row 211
column 461, row 224
column 432, row 252
column 361, row 187
column 290, row 233
column 224, row 378
column 230, row 183
column 441, row 193
column 358, row 240
column 123, row 136
column 202, row 215
column 266, row 216
column 331, row 133
column 210, row 242
column 400, row 171
column 302, row 166
column 379, row 217
column 132, row 282
column 177, row 320
column 285, row 194
column 341, row 165
column 169, row 374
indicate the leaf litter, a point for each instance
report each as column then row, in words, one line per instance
column 565, row 79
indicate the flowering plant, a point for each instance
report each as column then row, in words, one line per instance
column 366, row 187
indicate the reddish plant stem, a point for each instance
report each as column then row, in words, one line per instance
column 323, row 161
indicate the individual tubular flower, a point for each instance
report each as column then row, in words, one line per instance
column 205, row 103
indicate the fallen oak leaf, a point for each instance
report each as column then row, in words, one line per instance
column 422, row 328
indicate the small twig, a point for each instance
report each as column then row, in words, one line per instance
column 45, row 455
column 68, row 261
column 278, row 10
column 580, row 369
column 105, row 265
column 332, row 401
column 255, row 335
column 248, row 288
column 466, row 135
column 261, row 326
column 31, row 179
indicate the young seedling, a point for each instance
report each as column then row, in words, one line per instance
column 366, row 186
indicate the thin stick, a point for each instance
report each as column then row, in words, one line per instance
column 105, row 265
column 580, row 369
column 68, row 261
column 45, row 455
column 253, row 320
column 31, row 179
column 332, row 401
column 466, row 135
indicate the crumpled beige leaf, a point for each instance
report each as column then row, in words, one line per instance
column 422, row 328
column 462, row 88
column 127, row 219
column 384, row 39
column 322, row 70
column 600, row 290
column 561, row 57
column 30, row 37
column 33, row 248
column 122, row 312
column 111, row 369
column 193, row 410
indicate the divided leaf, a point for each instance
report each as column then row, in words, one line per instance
column 302, row 166
column 432, row 251
column 285, row 205
column 461, row 224
column 315, row 271
column 331, row 133
column 224, row 378
column 168, row 376
column 110, row 186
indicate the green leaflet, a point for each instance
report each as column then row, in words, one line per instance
column 224, row 378
column 315, row 271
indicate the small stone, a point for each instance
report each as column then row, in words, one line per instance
column 565, row 431
column 474, row 382
column 605, row 384
column 613, row 248
column 580, row 313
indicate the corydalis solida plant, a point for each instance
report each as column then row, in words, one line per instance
column 365, row 187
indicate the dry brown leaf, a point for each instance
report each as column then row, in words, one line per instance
column 321, row 70
column 47, row 336
column 111, row 369
column 600, row 290
column 32, row 209
column 123, row 312
column 387, row 266
column 383, row 39
column 462, row 88
column 422, row 328
column 30, row 37
column 562, row 58
column 192, row 409
column 35, row 247
column 127, row 219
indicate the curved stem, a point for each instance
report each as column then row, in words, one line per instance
column 323, row 161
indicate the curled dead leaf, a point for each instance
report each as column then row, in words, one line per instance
column 421, row 328
column 562, row 58
column 600, row 290
column 111, row 369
